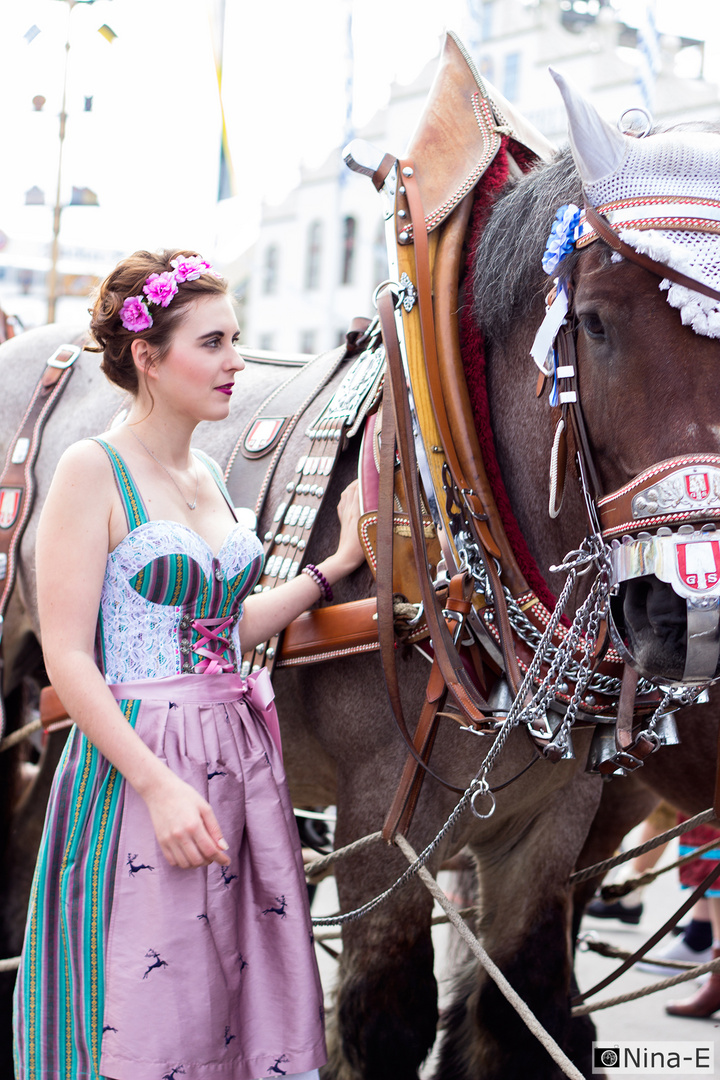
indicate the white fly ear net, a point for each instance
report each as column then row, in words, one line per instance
column 679, row 165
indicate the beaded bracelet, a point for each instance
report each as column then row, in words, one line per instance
column 320, row 580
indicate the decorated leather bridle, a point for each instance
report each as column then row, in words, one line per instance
column 679, row 497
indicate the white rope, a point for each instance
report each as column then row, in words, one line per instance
column 649, row 988
column 491, row 968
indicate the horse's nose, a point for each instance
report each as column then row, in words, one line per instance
column 655, row 626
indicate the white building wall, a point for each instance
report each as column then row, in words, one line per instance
column 295, row 318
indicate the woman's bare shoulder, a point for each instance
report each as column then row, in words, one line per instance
column 84, row 465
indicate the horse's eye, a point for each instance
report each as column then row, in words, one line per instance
column 592, row 324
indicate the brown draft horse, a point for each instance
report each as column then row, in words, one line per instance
column 649, row 388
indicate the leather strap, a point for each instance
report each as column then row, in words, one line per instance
column 331, row 631
column 567, row 357
column 451, row 666
column 477, row 516
column 606, row 232
column 403, row 805
column 419, row 748
column 381, row 173
column 17, row 482
column 53, row 714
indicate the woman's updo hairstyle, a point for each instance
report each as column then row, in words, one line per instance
column 127, row 280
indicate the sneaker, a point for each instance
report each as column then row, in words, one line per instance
column 675, row 950
column 614, row 910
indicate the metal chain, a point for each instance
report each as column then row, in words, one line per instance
column 581, row 637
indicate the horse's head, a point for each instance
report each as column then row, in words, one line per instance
column 635, row 373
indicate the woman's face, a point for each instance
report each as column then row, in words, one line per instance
column 196, row 376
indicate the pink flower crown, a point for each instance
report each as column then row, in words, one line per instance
column 160, row 289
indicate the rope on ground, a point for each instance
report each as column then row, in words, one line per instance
column 22, row 733
column 315, row 870
column 651, row 988
column 10, row 965
column 615, row 891
column 612, row 952
column 600, row 868
column 491, row 968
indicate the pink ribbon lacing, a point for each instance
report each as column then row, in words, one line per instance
column 212, row 645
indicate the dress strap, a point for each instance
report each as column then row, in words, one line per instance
column 217, row 476
column 133, row 504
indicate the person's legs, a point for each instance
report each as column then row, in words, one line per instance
column 706, row 1000
column 629, row 908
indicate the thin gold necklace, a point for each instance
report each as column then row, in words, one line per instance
column 193, row 504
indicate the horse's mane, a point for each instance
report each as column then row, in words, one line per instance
column 508, row 276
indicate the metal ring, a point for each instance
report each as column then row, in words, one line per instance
column 396, row 290
column 584, row 940
column 628, row 131
column 416, row 620
column 483, row 789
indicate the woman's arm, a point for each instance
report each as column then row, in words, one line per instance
column 266, row 614
column 72, row 549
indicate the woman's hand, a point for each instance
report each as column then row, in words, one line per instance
column 349, row 553
column 185, row 825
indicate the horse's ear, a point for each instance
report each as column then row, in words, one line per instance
column 598, row 148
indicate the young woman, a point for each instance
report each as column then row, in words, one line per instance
column 169, row 932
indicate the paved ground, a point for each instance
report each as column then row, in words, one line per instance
column 643, row 1019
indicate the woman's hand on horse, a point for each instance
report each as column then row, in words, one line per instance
column 349, row 551
column 185, row 826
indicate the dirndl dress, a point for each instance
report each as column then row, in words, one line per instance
column 133, row 969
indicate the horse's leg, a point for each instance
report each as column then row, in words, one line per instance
column 525, row 926
column 385, row 1012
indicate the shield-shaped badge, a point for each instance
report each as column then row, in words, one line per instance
column 699, row 563
column 697, row 486
column 9, row 506
column 263, row 434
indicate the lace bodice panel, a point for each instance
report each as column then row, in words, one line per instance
column 169, row 606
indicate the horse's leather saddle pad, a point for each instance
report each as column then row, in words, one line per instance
column 458, row 133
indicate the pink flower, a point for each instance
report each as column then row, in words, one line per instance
column 160, row 288
column 134, row 315
column 190, row 268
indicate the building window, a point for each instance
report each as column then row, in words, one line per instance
column 348, row 253
column 307, row 341
column 511, row 79
column 483, row 12
column 314, row 253
column 266, row 342
column 270, row 270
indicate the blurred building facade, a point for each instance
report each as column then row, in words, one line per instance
column 321, row 253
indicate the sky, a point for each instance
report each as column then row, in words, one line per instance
column 150, row 146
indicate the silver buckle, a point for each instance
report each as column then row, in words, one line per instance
column 74, row 351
